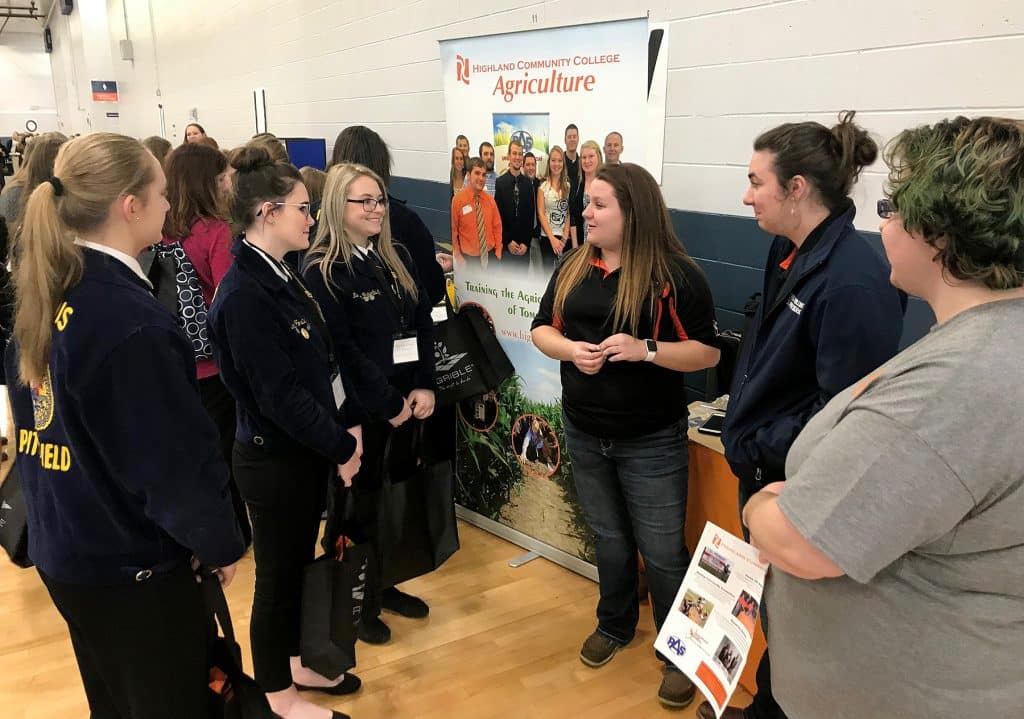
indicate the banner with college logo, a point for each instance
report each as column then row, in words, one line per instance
column 527, row 87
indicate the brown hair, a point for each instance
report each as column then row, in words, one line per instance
column 93, row 171
column 269, row 142
column 259, row 179
column 650, row 249
column 829, row 159
column 192, row 172
column 455, row 178
column 332, row 243
column 38, row 168
column 562, row 179
column 314, row 180
column 158, row 146
column 363, row 146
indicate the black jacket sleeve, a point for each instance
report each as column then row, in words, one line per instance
column 408, row 229
column 160, row 445
column 424, row 323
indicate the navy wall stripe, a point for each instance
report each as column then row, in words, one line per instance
column 730, row 249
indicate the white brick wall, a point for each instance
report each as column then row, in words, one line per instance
column 736, row 67
column 26, row 88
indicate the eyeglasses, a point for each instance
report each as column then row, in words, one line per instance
column 885, row 208
column 303, row 207
column 369, row 204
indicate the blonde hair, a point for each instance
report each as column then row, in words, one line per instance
column 332, row 242
column 590, row 145
column 93, row 171
column 562, row 177
column 314, row 180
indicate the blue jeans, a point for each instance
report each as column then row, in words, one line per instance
column 633, row 494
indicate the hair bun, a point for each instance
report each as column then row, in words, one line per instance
column 857, row 147
column 252, row 158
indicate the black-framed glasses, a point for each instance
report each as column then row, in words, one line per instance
column 303, row 207
column 370, row 204
column 885, row 208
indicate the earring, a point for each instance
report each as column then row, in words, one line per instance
column 138, row 219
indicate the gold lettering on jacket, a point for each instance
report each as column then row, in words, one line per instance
column 51, row 456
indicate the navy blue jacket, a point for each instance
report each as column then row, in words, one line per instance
column 834, row 320
column 275, row 359
column 363, row 323
column 118, row 460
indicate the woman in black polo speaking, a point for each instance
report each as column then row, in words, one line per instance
column 628, row 313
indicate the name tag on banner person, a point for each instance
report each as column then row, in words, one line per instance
column 710, row 628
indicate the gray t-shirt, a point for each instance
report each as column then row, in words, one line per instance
column 912, row 481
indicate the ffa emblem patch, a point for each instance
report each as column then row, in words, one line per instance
column 366, row 296
column 42, row 403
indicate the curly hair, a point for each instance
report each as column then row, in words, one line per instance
column 960, row 184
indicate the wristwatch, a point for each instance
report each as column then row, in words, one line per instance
column 652, row 349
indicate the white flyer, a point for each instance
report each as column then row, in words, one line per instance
column 710, row 628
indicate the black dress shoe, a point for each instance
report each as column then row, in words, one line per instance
column 373, row 631
column 339, row 715
column 404, row 604
column 349, row 685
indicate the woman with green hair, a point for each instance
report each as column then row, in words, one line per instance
column 896, row 542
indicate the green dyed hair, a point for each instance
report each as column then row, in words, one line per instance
column 960, row 184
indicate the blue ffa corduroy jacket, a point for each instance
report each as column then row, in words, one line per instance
column 835, row 318
column 275, row 359
column 119, row 462
column 363, row 323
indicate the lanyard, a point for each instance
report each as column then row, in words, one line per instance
column 391, row 288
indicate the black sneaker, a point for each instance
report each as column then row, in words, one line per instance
column 403, row 604
column 676, row 691
column 373, row 631
column 598, row 650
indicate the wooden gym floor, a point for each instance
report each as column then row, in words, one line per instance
column 499, row 642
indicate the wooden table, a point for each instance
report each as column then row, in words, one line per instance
column 713, row 497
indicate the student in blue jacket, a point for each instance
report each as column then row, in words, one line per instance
column 298, row 424
column 827, row 314
column 123, row 480
column 379, row 319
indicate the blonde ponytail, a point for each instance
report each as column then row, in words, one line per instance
column 92, row 172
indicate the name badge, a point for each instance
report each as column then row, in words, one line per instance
column 406, row 350
column 467, row 209
column 339, row 391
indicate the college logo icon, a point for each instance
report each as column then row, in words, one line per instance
column 523, row 138
column 42, row 402
column 462, row 69
column 676, row 645
column 443, row 361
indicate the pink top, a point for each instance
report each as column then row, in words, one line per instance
column 208, row 247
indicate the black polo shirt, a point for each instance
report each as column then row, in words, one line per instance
column 628, row 399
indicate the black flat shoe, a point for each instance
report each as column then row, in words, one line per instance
column 406, row 605
column 339, row 715
column 373, row 631
column 349, row 685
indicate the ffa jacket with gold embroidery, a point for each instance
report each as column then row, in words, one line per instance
column 118, row 460
column 275, row 358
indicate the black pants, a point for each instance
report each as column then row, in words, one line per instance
column 141, row 646
column 220, row 405
column 547, row 253
column 286, row 494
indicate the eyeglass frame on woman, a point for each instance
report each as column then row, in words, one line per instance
column 383, row 202
column 304, row 207
column 885, row 208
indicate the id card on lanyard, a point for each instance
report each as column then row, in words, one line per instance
column 405, row 349
column 339, row 390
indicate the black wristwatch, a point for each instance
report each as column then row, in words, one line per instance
column 652, row 349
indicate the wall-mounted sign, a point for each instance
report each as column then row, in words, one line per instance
column 104, row 91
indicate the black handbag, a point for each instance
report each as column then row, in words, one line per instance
column 233, row 694
column 14, row 519
column 468, row 359
column 334, row 589
column 416, row 526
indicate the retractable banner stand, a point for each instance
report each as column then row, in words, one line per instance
column 513, row 466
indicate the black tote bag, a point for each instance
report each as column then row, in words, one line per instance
column 468, row 360
column 233, row 694
column 14, row 519
column 333, row 594
column 416, row 526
